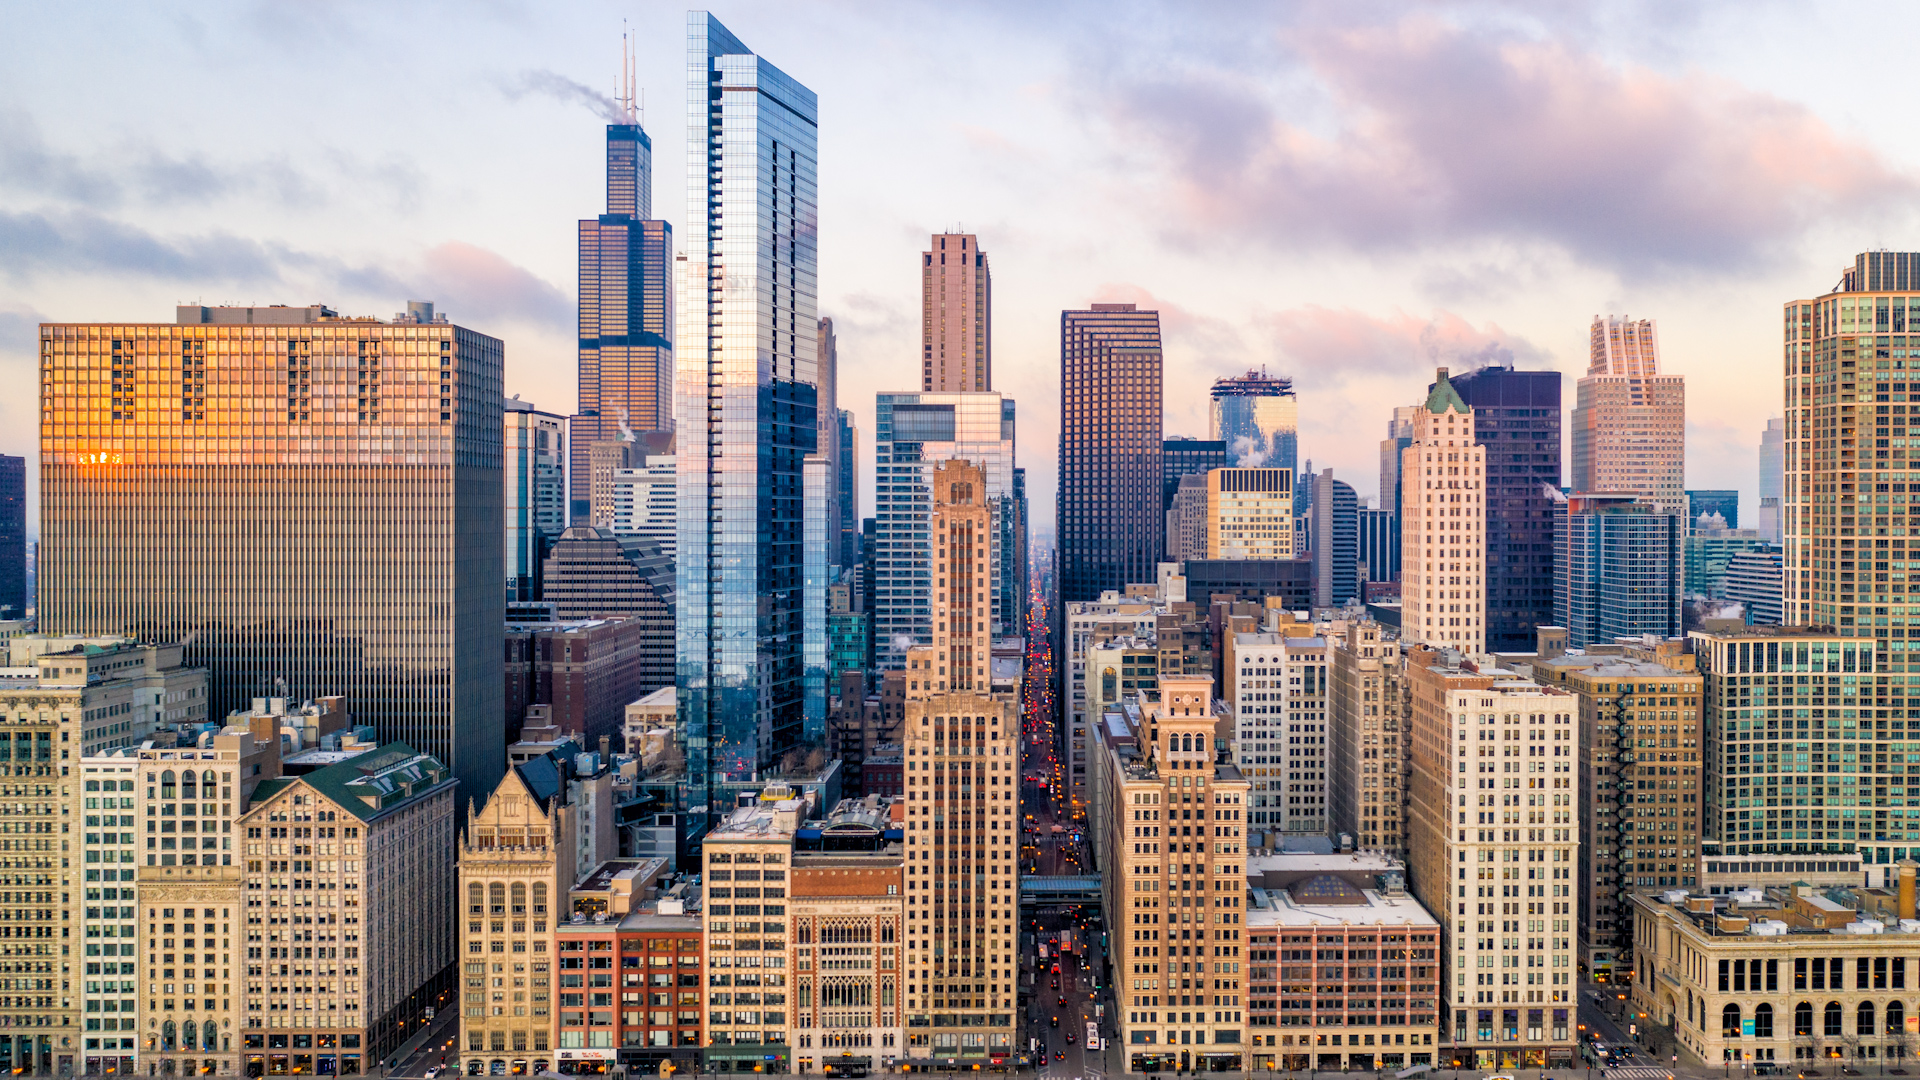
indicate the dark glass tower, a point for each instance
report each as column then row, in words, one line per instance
column 13, row 537
column 1108, row 510
column 1182, row 456
column 626, row 314
column 746, row 404
column 1516, row 416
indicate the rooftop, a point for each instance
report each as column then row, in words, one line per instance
column 1363, row 907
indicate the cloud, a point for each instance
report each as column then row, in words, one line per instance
column 538, row 82
column 1339, row 344
column 81, row 241
column 481, row 288
column 1436, row 134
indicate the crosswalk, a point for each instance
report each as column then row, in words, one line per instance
column 1638, row 1072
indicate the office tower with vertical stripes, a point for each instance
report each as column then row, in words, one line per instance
column 747, row 396
column 1443, row 526
column 626, row 321
column 1516, row 418
column 1108, row 507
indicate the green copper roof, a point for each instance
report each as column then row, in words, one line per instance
column 1444, row 396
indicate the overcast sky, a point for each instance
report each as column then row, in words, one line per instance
column 1346, row 193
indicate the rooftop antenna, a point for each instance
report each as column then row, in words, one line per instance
column 628, row 63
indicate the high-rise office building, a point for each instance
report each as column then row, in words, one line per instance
column 963, row 802
column 1639, row 786
column 1754, row 582
column 646, row 501
column 1108, row 508
column 1257, row 416
column 827, row 445
column 1250, row 514
column 913, row 432
column 1442, row 526
column 1707, row 504
column 1709, row 552
column 13, row 537
column 1773, row 459
column 1399, row 437
column 333, row 493
column 1367, row 739
column 1630, row 421
column 1279, row 689
column 745, row 410
column 1336, row 552
column 956, row 315
column 1516, row 417
column 1187, row 520
column 1155, row 763
column 1620, row 569
column 1378, row 544
column 535, row 468
column 1494, row 850
column 1181, row 457
column 626, row 325
column 847, row 461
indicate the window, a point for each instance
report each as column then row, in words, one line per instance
column 1831, row 1025
column 1730, row 1021
column 1763, row 1021
column 1803, row 1018
column 1863, row 1019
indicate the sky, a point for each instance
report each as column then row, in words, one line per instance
column 1350, row 194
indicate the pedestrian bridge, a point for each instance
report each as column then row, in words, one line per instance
column 1052, row 890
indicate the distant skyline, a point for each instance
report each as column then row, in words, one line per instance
column 1345, row 196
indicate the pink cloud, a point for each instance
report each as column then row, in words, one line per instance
column 482, row 288
column 1329, row 346
column 1441, row 133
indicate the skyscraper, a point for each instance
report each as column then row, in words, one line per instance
column 1506, row 965
column 913, row 432
column 1773, row 451
column 1619, row 571
column 1108, row 506
column 1258, row 418
column 1516, row 417
column 535, row 468
column 1442, row 526
column 315, row 538
column 847, row 461
column 1379, row 543
column 1336, row 549
column 1250, row 514
column 1703, row 503
column 1630, row 421
column 626, row 312
column 13, row 537
column 956, row 315
column 963, row 802
column 1181, row 457
column 827, row 440
column 745, row 407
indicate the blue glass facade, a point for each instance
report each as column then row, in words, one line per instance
column 746, row 404
column 1618, row 569
column 912, row 433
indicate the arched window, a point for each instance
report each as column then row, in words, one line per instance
column 207, row 784
column 1896, row 1017
column 476, row 899
column 539, row 899
column 187, row 1031
column 1763, row 1021
column 1803, row 1018
column 1730, row 1022
column 519, row 900
column 166, row 1029
column 497, row 898
column 1831, row 1019
column 187, row 780
column 1863, row 1019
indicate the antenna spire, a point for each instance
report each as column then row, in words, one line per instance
column 629, row 63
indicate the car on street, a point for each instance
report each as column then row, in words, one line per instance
column 1070, row 1038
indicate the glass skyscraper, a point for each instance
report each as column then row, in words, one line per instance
column 310, row 504
column 914, row 432
column 1619, row 568
column 1108, row 510
column 746, row 404
column 535, row 457
column 1258, row 418
column 626, row 313
column 1516, row 417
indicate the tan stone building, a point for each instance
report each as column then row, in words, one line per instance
column 194, row 902
column 517, row 860
column 1443, row 518
column 1639, row 788
column 748, row 856
column 1367, row 744
column 1789, row 976
column 962, row 802
column 1629, row 424
column 1494, row 850
column 1249, row 513
column 350, row 911
column 848, row 914
column 1171, row 842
